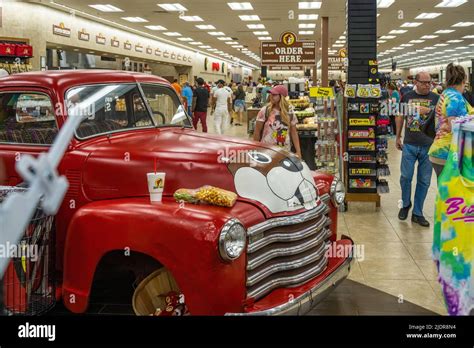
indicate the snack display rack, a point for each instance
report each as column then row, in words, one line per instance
column 15, row 55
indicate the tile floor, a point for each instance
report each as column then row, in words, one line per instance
column 397, row 266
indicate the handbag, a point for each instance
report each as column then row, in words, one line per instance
column 429, row 126
column 453, row 242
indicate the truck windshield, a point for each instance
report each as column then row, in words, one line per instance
column 116, row 108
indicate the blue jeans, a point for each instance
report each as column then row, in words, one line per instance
column 410, row 155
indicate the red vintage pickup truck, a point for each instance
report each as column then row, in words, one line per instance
column 265, row 255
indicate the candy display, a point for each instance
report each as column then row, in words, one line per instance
column 362, row 159
column 362, row 146
column 362, row 183
column 353, row 106
column 364, row 133
column 350, row 91
column 208, row 195
column 375, row 91
column 363, row 91
column 362, row 171
column 370, row 121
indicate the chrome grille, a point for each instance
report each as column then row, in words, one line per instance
column 287, row 251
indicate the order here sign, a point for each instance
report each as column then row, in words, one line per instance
column 289, row 51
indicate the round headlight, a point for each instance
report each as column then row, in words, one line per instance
column 232, row 240
column 338, row 192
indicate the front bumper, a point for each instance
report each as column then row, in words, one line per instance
column 311, row 297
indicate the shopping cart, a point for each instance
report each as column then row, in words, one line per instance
column 28, row 285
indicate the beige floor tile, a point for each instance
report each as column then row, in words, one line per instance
column 428, row 268
column 385, row 250
column 415, row 236
column 418, row 292
column 419, row 251
column 391, row 269
column 373, row 235
column 356, row 273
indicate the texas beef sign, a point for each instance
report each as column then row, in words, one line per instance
column 289, row 51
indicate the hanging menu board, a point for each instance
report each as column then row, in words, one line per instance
column 288, row 51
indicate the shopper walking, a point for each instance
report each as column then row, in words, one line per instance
column 451, row 105
column 188, row 97
column 417, row 106
column 222, row 105
column 176, row 86
column 239, row 104
column 276, row 122
column 200, row 105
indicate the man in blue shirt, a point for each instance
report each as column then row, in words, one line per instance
column 188, row 95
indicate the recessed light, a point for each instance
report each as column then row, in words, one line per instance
column 106, row 8
column 463, row 24
column 381, row 41
column 454, row 41
column 205, row 27
column 384, row 3
column 429, row 37
column 387, row 37
column 216, row 33
column 238, row 46
column 307, row 26
column 309, row 5
column 248, row 18
column 308, row 17
column 196, row 43
column 240, row 6
column 172, row 33
column 134, row 19
column 212, row 49
column 306, row 32
column 265, row 38
column 451, row 3
column 261, row 33
column 462, row 48
column 256, row 26
column 468, row 37
column 411, row 24
column 205, row 46
column 429, row 48
column 186, row 39
column 406, row 45
column 231, row 42
column 441, row 45
column 155, row 27
column 417, row 41
column 224, row 38
column 340, row 41
column 173, row 7
column 430, row 15
column 398, row 31
column 446, row 31
column 191, row 18
column 338, row 45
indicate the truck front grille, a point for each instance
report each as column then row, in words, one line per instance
column 287, row 251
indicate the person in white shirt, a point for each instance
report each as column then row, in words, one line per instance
column 222, row 102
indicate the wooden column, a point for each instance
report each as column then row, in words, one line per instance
column 324, row 51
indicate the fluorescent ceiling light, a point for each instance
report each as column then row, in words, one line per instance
column 205, row 27
column 451, row 3
column 406, row 45
column 248, row 18
column 216, row 33
column 106, row 8
column 441, row 45
column 240, row 6
column 417, row 41
column 462, row 48
column 212, row 49
column 155, row 27
column 468, row 37
column 264, row 38
column 411, row 24
column 172, row 34
column 388, row 37
column 134, row 19
column 444, row 31
column 429, row 48
column 307, row 26
column 430, row 15
column 338, row 45
column 309, row 5
column 225, row 38
column 173, row 7
column 306, row 32
column 261, row 33
column 398, row 31
column 186, row 39
column 308, row 17
column 192, row 18
column 195, row 43
column 255, row 26
column 429, row 37
column 449, row 51
column 231, row 42
column 384, row 3
column 205, row 46
column 454, row 41
column 381, row 41
column 397, row 48
column 463, row 24
column 340, row 41
column 238, row 46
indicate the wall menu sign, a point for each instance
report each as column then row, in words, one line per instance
column 286, row 67
column 61, row 30
column 83, row 35
column 115, row 43
column 288, row 51
column 100, row 39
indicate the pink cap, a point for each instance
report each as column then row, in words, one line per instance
column 280, row 89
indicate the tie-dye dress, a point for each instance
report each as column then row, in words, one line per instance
column 453, row 243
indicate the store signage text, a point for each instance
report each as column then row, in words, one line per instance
column 458, row 205
column 289, row 51
column 215, row 67
column 158, row 52
column 321, row 92
column 336, row 63
column 138, row 48
column 83, row 36
column 101, row 40
column 61, row 30
column 149, row 50
column 286, row 68
column 127, row 46
column 114, row 43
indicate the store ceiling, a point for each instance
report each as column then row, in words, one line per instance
column 274, row 15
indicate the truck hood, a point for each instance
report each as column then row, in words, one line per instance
column 117, row 167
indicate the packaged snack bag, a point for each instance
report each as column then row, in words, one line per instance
column 208, row 195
